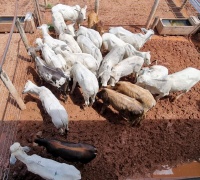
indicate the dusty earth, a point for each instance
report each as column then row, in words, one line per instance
column 169, row 135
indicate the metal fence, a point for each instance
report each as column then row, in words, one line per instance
column 10, row 111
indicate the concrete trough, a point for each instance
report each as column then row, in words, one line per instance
column 6, row 23
column 178, row 26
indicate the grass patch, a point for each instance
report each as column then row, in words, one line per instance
column 48, row 6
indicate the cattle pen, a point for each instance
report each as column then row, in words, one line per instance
column 168, row 135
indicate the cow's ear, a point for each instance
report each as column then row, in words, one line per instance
column 85, row 7
column 12, row 159
column 26, row 149
column 77, row 8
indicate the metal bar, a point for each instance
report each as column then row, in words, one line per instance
column 96, row 6
column 10, row 36
column 12, row 90
column 22, row 34
column 184, row 3
column 153, row 10
column 196, row 4
column 38, row 12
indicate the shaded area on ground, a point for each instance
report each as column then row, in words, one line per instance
column 123, row 151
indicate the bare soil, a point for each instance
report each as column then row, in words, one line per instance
column 169, row 135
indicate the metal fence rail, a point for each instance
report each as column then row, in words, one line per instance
column 196, row 4
column 10, row 112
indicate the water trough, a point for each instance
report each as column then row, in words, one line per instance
column 178, row 26
column 6, row 23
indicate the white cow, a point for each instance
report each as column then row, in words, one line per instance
column 50, row 41
column 128, row 66
column 71, row 13
column 180, row 81
column 131, row 51
column 86, row 59
column 71, row 42
column 155, row 72
column 45, row 168
column 60, row 25
column 87, row 46
column 110, row 60
column 52, row 59
column 110, row 40
column 136, row 40
column 51, row 105
column 86, row 80
column 93, row 35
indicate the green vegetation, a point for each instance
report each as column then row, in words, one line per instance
column 51, row 27
column 49, row 6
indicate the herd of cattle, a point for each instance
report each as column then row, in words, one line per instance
column 78, row 55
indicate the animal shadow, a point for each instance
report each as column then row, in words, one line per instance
column 108, row 114
column 77, row 97
column 30, row 98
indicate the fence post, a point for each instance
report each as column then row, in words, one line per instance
column 12, row 90
column 184, row 3
column 155, row 22
column 38, row 12
column 96, row 6
column 45, row 3
column 22, row 34
column 153, row 10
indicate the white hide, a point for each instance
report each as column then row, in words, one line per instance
column 93, row 35
column 180, row 81
column 50, row 75
column 71, row 13
column 131, row 51
column 136, row 40
column 127, row 66
column 110, row 60
column 110, row 40
column 155, row 72
column 50, row 41
column 86, row 80
column 60, row 25
column 58, row 22
column 184, row 80
column 52, row 59
column 86, row 59
column 45, row 168
column 71, row 42
column 51, row 105
column 87, row 46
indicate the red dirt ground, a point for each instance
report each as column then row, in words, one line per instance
column 169, row 135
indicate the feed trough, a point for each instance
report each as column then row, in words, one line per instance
column 6, row 23
column 178, row 26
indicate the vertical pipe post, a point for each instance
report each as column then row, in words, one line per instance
column 45, row 3
column 7, row 82
column 155, row 22
column 22, row 34
column 96, row 6
column 38, row 12
column 184, row 3
column 153, row 10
